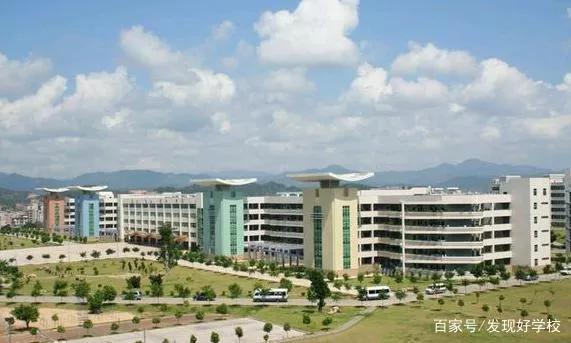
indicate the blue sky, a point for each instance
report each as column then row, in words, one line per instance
column 530, row 39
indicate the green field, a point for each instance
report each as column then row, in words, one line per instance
column 9, row 243
column 112, row 273
column 388, row 281
column 415, row 323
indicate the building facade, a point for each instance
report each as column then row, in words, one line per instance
column 273, row 228
column 558, row 206
column 54, row 209
column 108, row 214
column 86, row 203
column 531, row 222
column 425, row 228
column 141, row 216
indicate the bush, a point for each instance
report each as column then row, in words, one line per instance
column 114, row 327
column 222, row 309
column 199, row 315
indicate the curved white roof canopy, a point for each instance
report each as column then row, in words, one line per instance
column 318, row 177
column 90, row 188
column 223, row 182
column 53, row 190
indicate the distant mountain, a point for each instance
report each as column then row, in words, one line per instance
column 472, row 174
column 9, row 198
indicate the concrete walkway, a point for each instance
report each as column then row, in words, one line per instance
column 253, row 333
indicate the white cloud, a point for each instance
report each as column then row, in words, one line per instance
column 229, row 62
column 370, row 85
column 19, row 77
column 490, row 133
column 210, row 88
column 116, row 120
column 565, row 86
column 146, row 49
column 32, row 109
column 548, row 127
column 221, row 122
column 315, row 33
column 99, row 91
column 175, row 76
column 422, row 92
column 223, row 30
column 291, row 80
column 433, row 60
column 501, row 87
column 569, row 12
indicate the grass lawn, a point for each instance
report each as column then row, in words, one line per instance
column 389, row 281
column 274, row 314
column 111, row 272
column 9, row 243
column 415, row 323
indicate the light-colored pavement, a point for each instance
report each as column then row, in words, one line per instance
column 72, row 252
column 253, row 333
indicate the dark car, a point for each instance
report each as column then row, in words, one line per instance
column 200, row 297
column 530, row 277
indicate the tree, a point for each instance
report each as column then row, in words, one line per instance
column 133, row 282
column 327, row 321
column 235, row 291
column 87, row 324
column 523, row 301
column 331, row 276
column 377, row 278
column 485, row 308
column 182, row 291
column 95, row 302
column 239, row 332
column 169, row 251
column 286, row 283
column 319, row 289
column 208, row 293
column 81, row 289
column 465, row 283
column 477, row 270
column 178, row 315
column 360, row 277
column 460, row 303
column 114, row 326
column 214, row 337
column 441, row 303
column 55, row 319
column 400, row 294
column 199, row 315
column 136, row 320
column 419, row 297
column 61, row 331
column 95, row 254
column 26, row 313
column 505, row 275
column 268, row 327
column 156, row 321
column 287, row 328
column 306, row 319
column 436, row 277
column 156, row 285
column 547, row 304
column 60, row 288
column 37, row 289
column 193, row 339
column 448, row 275
column 109, row 293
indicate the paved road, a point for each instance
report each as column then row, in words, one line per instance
column 292, row 302
column 253, row 332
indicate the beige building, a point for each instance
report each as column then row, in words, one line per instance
column 331, row 221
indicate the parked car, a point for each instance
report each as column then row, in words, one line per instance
column 200, row 297
column 436, row 288
column 272, row 294
column 565, row 271
column 530, row 277
column 133, row 295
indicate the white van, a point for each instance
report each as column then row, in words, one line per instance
column 272, row 294
column 374, row 292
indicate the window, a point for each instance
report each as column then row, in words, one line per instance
column 233, row 231
column 317, row 238
column 535, row 206
column 535, row 220
column 535, row 234
column 535, row 248
column 346, row 238
column 545, row 191
column 535, row 191
column 535, row 262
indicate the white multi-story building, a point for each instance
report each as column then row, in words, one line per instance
column 141, row 215
column 558, row 215
column 425, row 228
column 567, row 181
column 69, row 214
column 531, row 220
column 35, row 211
column 273, row 227
column 108, row 214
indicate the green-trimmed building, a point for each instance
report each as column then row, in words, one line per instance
column 222, row 229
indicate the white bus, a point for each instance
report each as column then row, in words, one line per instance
column 374, row 292
column 272, row 294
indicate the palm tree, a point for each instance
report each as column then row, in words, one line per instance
column 239, row 332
